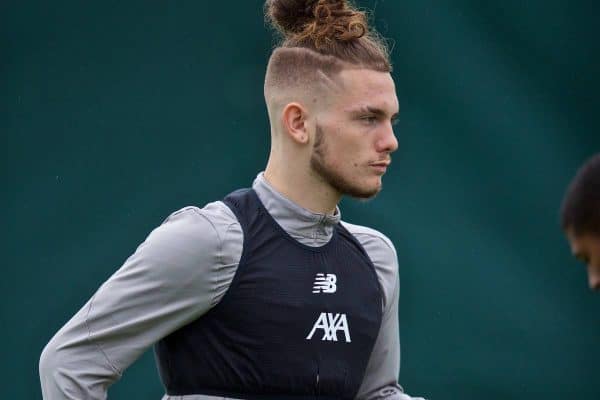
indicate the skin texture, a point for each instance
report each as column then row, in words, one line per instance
column 333, row 139
column 586, row 248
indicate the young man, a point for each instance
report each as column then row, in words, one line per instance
column 580, row 218
column 267, row 294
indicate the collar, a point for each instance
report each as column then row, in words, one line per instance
column 309, row 227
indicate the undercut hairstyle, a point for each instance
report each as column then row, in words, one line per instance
column 320, row 36
column 580, row 211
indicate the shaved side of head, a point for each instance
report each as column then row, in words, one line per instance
column 303, row 76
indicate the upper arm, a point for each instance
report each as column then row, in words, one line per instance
column 381, row 375
column 166, row 283
column 382, row 253
column 178, row 273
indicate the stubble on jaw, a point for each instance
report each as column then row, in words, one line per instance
column 332, row 177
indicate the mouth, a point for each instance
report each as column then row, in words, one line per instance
column 380, row 166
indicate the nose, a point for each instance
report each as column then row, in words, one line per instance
column 387, row 142
column 594, row 277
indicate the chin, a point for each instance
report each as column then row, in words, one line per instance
column 364, row 191
column 364, row 195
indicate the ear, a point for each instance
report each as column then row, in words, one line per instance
column 294, row 122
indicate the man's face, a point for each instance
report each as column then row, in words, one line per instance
column 354, row 136
column 586, row 248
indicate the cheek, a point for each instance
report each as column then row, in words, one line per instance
column 351, row 160
column 353, row 151
column 346, row 148
column 342, row 160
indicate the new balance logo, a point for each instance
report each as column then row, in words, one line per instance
column 325, row 283
column 331, row 324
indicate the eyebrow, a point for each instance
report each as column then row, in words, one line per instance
column 376, row 111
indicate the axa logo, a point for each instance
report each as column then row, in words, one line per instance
column 331, row 324
column 325, row 283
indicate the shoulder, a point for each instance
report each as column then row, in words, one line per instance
column 215, row 214
column 192, row 229
column 382, row 253
column 375, row 240
column 192, row 249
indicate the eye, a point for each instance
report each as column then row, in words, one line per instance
column 394, row 121
column 369, row 119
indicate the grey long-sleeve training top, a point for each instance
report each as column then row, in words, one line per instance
column 182, row 269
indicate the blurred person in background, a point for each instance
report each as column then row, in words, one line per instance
column 267, row 294
column 580, row 218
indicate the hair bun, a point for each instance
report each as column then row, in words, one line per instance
column 316, row 21
column 290, row 16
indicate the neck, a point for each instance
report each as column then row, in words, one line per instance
column 304, row 188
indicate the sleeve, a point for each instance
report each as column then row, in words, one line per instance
column 177, row 274
column 381, row 376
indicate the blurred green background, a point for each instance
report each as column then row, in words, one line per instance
column 114, row 114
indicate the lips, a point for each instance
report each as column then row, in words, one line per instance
column 383, row 164
column 380, row 166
